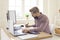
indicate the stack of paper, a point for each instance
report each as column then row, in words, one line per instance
column 28, row 36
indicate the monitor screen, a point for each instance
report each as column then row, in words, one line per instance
column 11, row 20
column 11, row 15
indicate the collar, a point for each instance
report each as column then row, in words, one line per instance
column 40, row 15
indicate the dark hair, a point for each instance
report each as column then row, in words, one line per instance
column 34, row 9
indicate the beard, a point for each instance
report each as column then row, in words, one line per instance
column 36, row 17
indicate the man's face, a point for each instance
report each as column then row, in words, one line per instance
column 34, row 14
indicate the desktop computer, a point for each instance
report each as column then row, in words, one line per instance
column 14, row 28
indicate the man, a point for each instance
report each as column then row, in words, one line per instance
column 41, row 22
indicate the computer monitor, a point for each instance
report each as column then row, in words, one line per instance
column 11, row 20
column 11, row 23
column 11, row 15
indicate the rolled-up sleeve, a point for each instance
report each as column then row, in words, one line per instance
column 42, row 26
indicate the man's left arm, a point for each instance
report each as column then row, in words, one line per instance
column 44, row 25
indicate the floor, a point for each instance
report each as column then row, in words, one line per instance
column 4, row 36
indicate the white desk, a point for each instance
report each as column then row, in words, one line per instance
column 40, row 36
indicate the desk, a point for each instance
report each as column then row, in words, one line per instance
column 40, row 36
column 44, row 35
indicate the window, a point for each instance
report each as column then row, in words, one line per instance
column 22, row 7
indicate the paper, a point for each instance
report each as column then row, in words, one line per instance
column 28, row 36
column 28, row 28
column 20, row 31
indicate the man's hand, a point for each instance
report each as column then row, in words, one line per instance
column 26, row 30
column 27, row 25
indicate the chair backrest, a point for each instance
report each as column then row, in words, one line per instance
column 51, row 28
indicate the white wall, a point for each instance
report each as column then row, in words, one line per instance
column 58, row 4
column 50, row 9
column 3, row 11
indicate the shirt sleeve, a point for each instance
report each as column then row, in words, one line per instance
column 42, row 26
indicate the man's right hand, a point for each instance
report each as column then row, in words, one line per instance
column 27, row 25
column 26, row 30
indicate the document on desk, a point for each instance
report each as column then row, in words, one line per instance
column 20, row 32
column 28, row 36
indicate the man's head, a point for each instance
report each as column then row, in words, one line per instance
column 35, row 12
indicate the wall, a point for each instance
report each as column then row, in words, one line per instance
column 3, row 11
column 50, row 9
column 58, row 4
